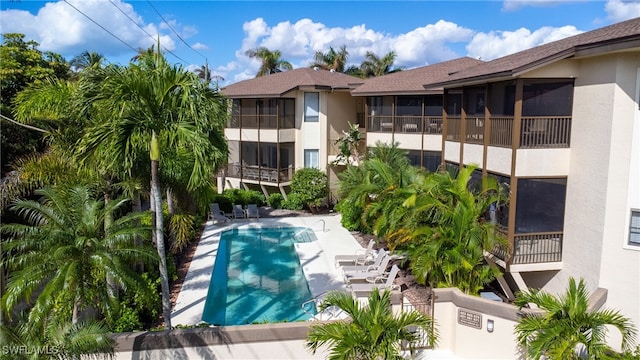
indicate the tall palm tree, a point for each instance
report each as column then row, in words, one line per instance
column 378, row 66
column 205, row 74
column 271, row 61
column 173, row 116
column 63, row 253
column 331, row 60
column 87, row 59
column 567, row 325
column 372, row 332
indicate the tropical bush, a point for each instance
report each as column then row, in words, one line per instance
column 275, row 200
column 373, row 330
column 242, row 197
column 351, row 216
column 309, row 188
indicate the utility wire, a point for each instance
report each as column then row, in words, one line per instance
column 145, row 31
column 174, row 31
column 102, row 27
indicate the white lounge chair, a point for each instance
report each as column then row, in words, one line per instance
column 371, row 274
column 359, row 257
column 376, row 263
column 252, row 211
column 238, row 212
column 216, row 214
column 366, row 288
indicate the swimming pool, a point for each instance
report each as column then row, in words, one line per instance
column 257, row 277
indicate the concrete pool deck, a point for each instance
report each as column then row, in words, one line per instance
column 316, row 258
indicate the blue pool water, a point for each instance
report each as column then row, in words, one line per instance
column 257, row 277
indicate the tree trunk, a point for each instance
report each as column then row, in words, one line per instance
column 112, row 287
column 170, row 206
column 136, row 207
column 158, row 230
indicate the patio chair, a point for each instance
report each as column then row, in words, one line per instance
column 377, row 262
column 252, row 211
column 372, row 274
column 359, row 257
column 216, row 214
column 238, row 212
column 366, row 288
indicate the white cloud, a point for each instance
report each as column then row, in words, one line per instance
column 494, row 44
column 200, row 46
column 512, row 5
column 618, row 10
column 60, row 28
column 299, row 41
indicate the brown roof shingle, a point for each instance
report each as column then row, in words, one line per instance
column 411, row 81
column 510, row 65
column 275, row 85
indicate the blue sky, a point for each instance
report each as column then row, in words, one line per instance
column 220, row 32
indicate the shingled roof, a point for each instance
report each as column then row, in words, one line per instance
column 618, row 36
column 411, row 81
column 275, row 85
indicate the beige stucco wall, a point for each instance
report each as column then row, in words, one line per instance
column 542, row 162
column 451, row 151
column 598, row 185
column 473, row 154
column 471, row 343
column 499, row 160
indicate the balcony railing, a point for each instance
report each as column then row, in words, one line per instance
column 501, row 130
column 531, row 248
column 475, row 130
column 264, row 121
column 405, row 124
column 545, row 132
column 536, row 132
column 260, row 173
column 454, row 128
column 537, row 248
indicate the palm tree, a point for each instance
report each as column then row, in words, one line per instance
column 372, row 332
column 172, row 115
column 86, row 60
column 376, row 66
column 63, row 253
column 204, row 73
column 568, row 325
column 58, row 341
column 331, row 60
column 271, row 61
column 450, row 232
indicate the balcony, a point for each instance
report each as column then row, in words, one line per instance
column 409, row 124
column 260, row 174
column 532, row 248
column 536, row 132
column 261, row 122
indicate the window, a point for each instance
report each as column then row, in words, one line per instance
column 311, row 106
column 540, row 205
column 634, row 228
column 311, row 159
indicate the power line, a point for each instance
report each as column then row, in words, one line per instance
column 145, row 31
column 174, row 31
column 102, row 27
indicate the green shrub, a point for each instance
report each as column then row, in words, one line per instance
column 275, row 200
column 351, row 216
column 224, row 201
column 252, row 197
column 243, row 197
column 294, row 201
column 310, row 186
